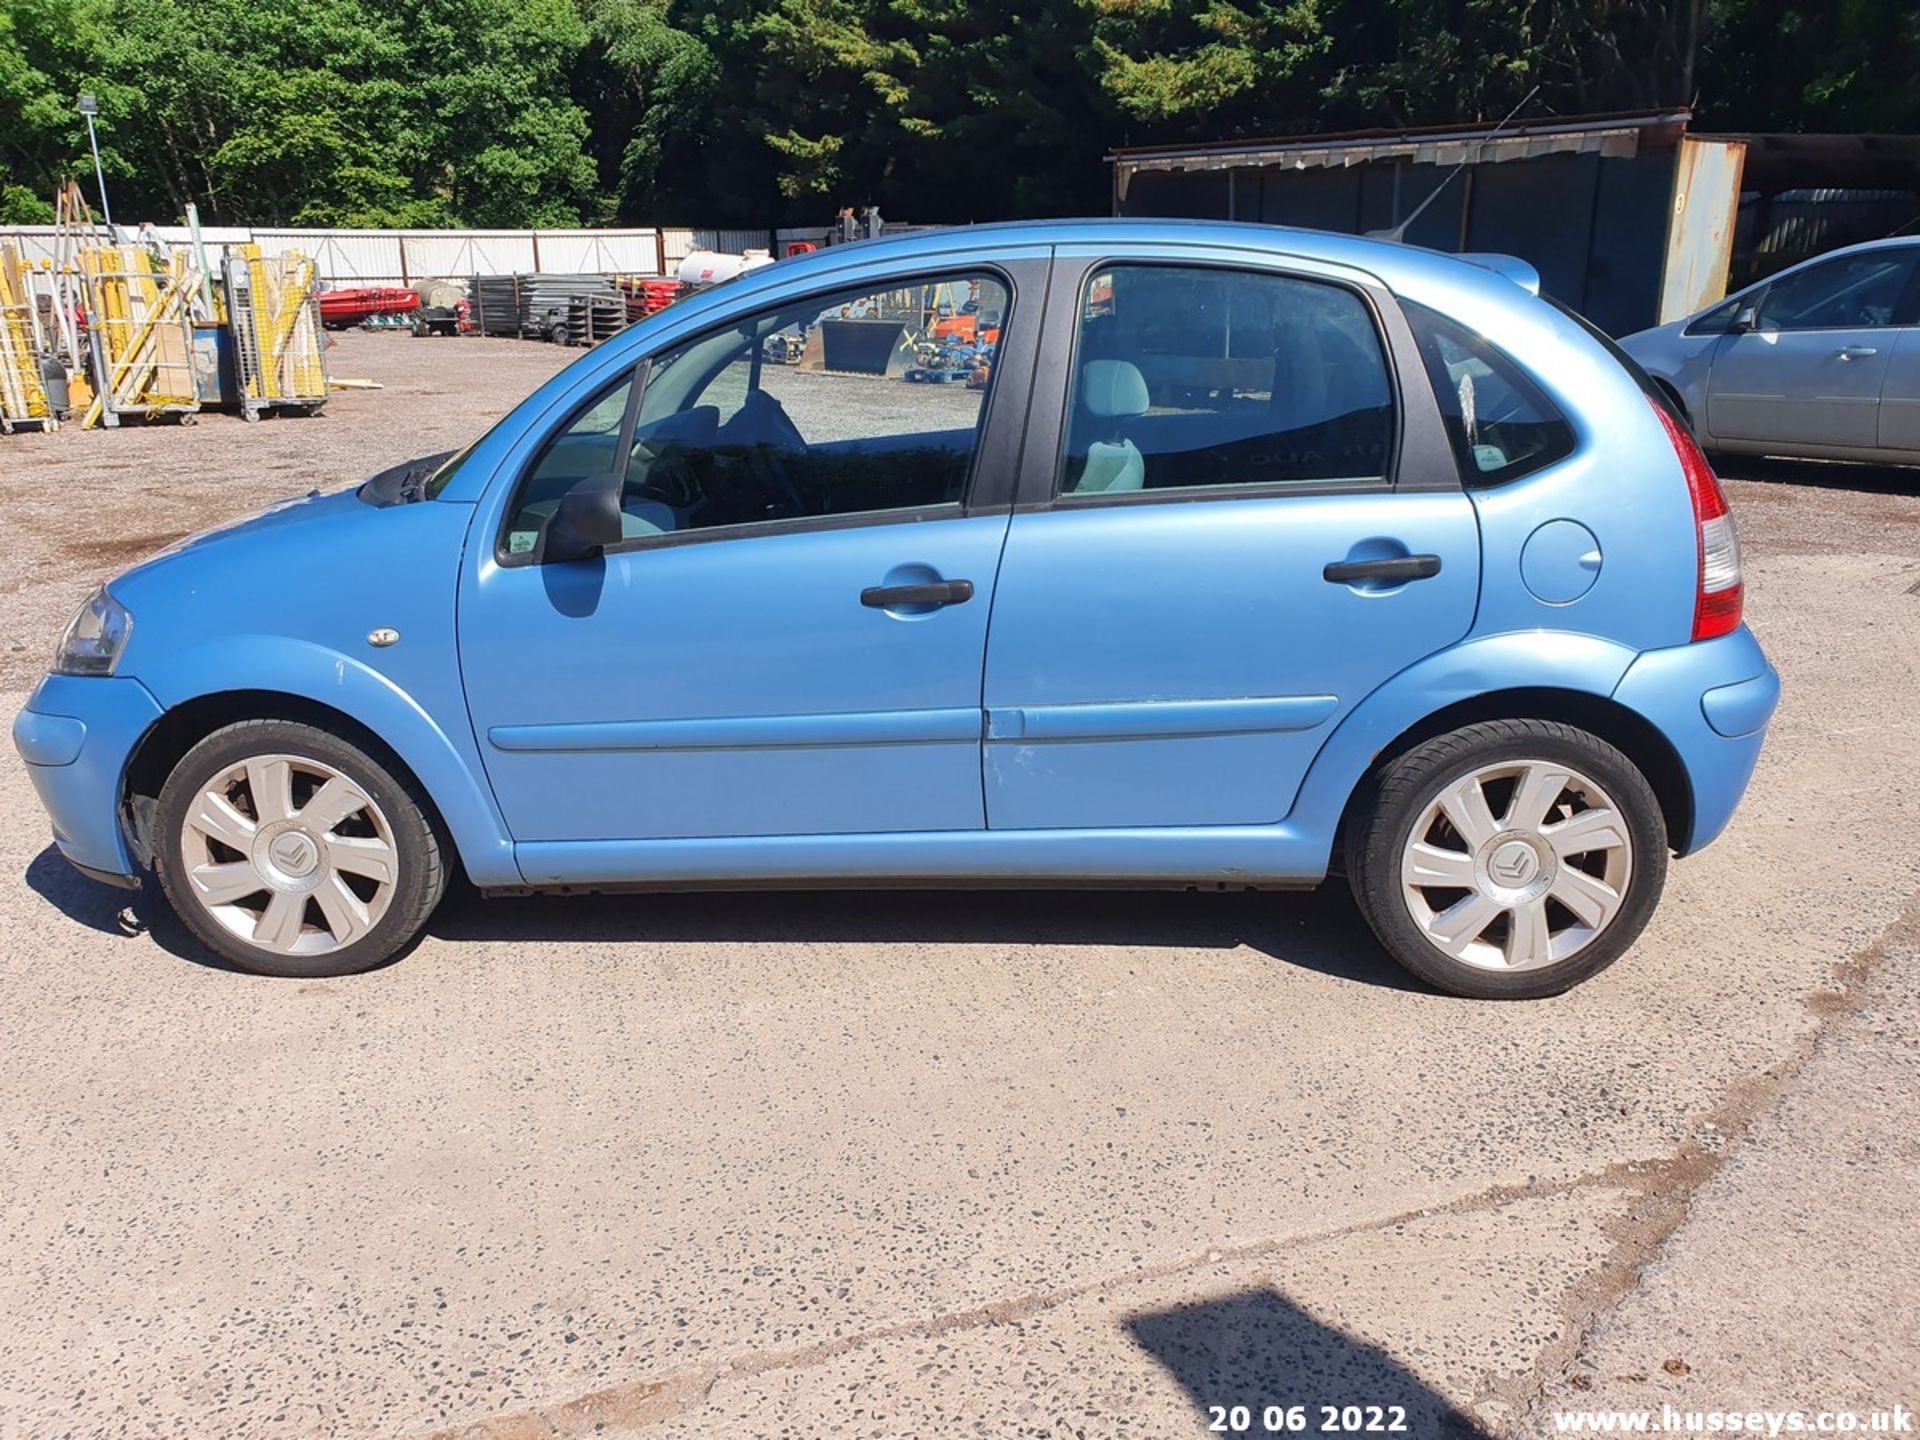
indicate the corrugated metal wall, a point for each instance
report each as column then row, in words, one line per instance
column 1775, row 231
column 677, row 244
column 1593, row 225
column 395, row 257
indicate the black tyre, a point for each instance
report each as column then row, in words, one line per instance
column 289, row 851
column 1508, row 860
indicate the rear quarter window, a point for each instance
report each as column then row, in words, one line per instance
column 1500, row 422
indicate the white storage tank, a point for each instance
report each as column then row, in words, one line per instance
column 713, row 267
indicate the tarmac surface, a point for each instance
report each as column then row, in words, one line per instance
column 931, row 1164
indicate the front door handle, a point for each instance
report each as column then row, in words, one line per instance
column 938, row 592
column 1396, row 568
column 1857, row 352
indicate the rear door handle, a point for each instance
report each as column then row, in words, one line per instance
column 1395, row 568
column 1857, row 352
column 938, row 592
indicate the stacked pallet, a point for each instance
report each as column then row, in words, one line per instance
column 573, row 309
column 592, row 318
column 496, row 304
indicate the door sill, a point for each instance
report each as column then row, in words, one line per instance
column 1192, row 857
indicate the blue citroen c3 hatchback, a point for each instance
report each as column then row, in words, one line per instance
column 1157, row 554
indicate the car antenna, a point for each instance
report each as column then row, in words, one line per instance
column 1398, row 233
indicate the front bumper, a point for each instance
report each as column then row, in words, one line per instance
column 76, row 735
column 1712, row 701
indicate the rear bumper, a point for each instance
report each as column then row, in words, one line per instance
column 76, row 735
column 1712, row 701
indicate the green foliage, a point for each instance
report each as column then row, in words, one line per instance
column 552, row 112
column 1178, row 64
column 1844, row 66
column 411, row 112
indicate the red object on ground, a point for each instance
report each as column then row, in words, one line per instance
column 647, row 296
column 340, row 308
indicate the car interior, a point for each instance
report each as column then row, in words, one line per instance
column 1194, row 378
column 713, row 445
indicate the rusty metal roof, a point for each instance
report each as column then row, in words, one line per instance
column 1620, row 134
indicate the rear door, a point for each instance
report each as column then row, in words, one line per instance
column 1811, row 370
column 1232, row 528
column 1900, row 390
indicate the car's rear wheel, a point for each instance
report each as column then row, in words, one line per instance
column 288, row 851
column 1510, row 859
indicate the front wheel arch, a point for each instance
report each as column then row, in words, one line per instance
column 187, row 724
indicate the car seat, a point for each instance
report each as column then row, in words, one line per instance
column 1112, row 391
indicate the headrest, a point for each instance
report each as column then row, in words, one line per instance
column 1114, row 389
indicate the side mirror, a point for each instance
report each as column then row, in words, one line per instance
column 1746, row 318
column 586, row 521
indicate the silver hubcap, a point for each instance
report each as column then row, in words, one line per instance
column 289, row 854
column 1517, row 865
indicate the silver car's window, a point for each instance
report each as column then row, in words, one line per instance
column 1850, row 292
column 1191, row 377
column 1718, row 320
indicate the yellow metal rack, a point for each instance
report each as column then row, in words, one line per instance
column 273, row 306
column 23, row 396
column 140, row 327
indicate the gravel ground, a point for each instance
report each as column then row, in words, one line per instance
column 913, row 1165
column 85, row 504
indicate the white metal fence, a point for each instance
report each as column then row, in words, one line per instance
column 402, row 257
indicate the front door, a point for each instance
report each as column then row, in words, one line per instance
column 1811, row 370
column 1224, row 564
column 790, row 639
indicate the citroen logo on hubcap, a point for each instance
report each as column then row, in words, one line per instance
column 1513, row 864
column 293, row 853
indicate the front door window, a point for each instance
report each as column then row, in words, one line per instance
column 845, row 405
column 1855, row 292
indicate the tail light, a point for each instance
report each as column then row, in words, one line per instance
column 1718, row 595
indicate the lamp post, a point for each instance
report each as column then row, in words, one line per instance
column 90, row 107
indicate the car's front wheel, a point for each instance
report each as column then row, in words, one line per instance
column 289, row 851
column 1510, row 859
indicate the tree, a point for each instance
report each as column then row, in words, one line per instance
column 1843, row 66
column 304, row 111
column 750, row 112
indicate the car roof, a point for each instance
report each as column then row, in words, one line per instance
column 1391, row 261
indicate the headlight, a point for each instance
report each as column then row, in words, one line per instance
column 95, row 638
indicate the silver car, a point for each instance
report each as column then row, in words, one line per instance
column 1821, row 360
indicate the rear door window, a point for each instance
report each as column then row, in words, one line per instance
column 1501, row 423
column 1189, row 378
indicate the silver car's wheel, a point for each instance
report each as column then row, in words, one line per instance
column 1517, row 865
column 289, row 850
column 1508, row 859
column 288, row 854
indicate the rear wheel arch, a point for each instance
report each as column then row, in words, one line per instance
column 1626, row 730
